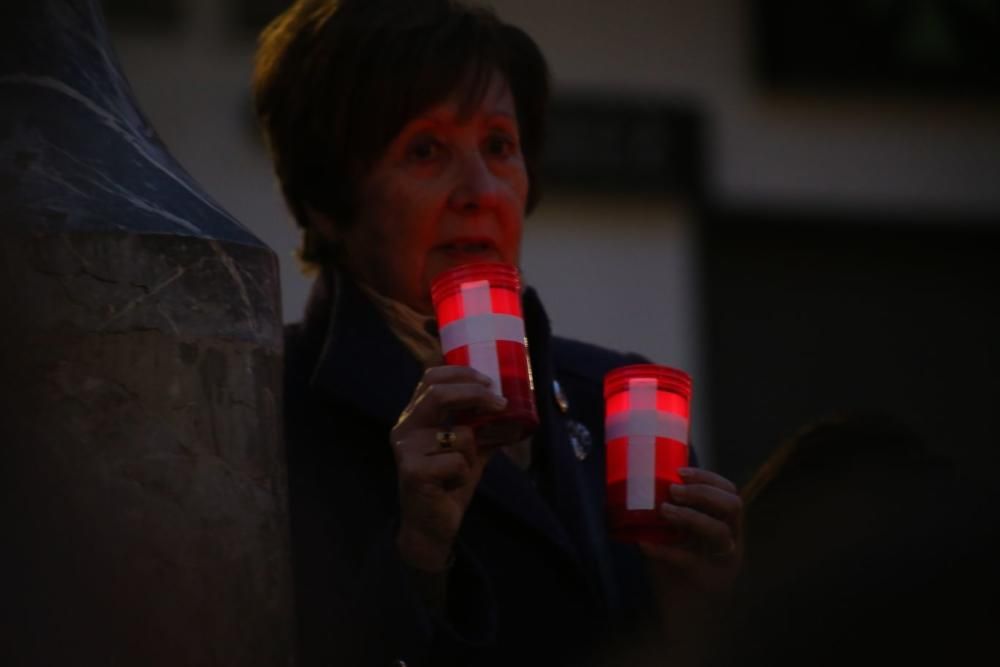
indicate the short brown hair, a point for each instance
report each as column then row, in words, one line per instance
column 335, row 81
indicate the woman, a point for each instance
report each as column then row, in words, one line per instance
column 406, row 138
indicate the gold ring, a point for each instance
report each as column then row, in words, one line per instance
column 446, row 439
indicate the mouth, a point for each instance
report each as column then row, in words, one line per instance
column 469, row 248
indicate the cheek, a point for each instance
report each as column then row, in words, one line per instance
column 515, row 227
column 407, row 215
column 520, row 191
column 513, row 250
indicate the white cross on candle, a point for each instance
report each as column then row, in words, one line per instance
column 641, row 424
column 480, row 329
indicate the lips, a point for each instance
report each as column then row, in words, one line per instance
column 470, row 248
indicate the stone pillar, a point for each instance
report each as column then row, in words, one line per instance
column 142, row 486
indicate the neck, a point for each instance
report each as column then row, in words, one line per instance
column 417, row 331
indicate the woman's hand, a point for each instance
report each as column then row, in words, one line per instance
column 437, row 480
column 708, row 511
column 693, row 577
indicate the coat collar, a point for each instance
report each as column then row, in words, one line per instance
column 361, row 362
column 362, row 365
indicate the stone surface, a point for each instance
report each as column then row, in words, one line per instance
column 75, row 147
column 142, row 484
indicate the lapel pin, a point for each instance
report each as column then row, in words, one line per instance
column 579, row 435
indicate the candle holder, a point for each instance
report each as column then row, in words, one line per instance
column 647, row 427
column 481, row 325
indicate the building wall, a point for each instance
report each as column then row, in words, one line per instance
column 771, row 147
column 632, row 260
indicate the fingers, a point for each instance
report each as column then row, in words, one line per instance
column 438, row 462
column 426, row 442
column 707, row 477
column 445, row 389
column 449, row 472
column 421, row 459
column 677, row 557
column 454, row 374
column 708, row 509
column 716, row 502
column 707, row 533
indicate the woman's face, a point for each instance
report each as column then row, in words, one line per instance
column 448, row 190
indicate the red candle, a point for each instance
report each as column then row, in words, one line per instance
column 481, row 325
column 647, row 425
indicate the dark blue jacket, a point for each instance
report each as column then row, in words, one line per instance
column 535, row 580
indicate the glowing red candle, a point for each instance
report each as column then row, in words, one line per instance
column 481, row 325
column 647, row 424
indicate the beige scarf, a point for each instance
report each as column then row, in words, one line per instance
column 416, row 331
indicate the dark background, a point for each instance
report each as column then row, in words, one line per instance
column 811, row 315
column 814, row 309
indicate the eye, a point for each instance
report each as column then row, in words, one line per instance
column 424, row 148
column 501, row 145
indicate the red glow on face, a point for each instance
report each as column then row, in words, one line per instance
column 450, row 188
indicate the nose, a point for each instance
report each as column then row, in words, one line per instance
column 476, row 187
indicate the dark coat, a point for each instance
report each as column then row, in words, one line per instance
column 535, row 579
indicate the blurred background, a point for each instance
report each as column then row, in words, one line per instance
column 798, row 203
